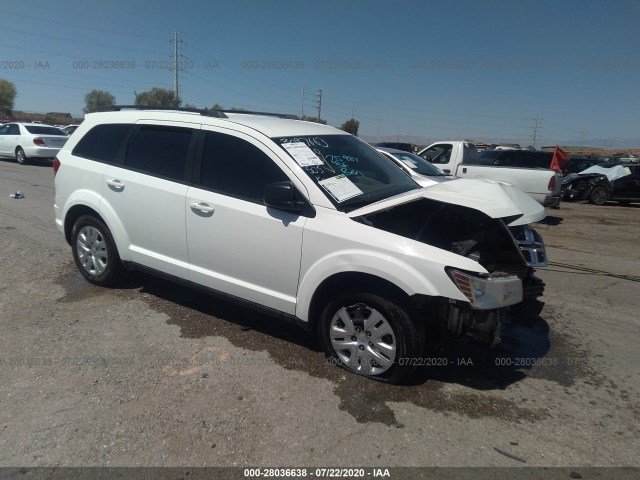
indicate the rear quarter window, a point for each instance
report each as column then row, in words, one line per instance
column 159, row 150
column 102, row 142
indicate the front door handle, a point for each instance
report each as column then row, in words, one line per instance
column 117, row 184
column 447, row 171
column 201, row 206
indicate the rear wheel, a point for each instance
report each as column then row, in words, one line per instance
column 94, row 251
column 21, row 157
column 598, row 196
column 371, row 336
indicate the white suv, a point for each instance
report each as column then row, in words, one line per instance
column 298, row 218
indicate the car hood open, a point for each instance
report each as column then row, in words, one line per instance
column 495, row 199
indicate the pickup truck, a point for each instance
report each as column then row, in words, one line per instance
column 527, row 170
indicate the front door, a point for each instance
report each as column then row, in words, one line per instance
column 237, row 245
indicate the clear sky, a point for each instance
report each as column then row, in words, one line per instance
column 408, row 70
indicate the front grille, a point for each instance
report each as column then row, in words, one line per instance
column 531, row 245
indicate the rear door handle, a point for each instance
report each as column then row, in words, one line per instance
column 201, row 206
column 117, row 184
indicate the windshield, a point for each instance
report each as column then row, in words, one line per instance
column 350, row 172
column 43, row 130
column 416, row 164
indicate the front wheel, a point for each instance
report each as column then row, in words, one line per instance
column 598, row 196
column 95, row 252
column 21, row 157
column 371, row 336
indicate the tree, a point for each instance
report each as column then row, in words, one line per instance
column 190, row 105
column 7, row 96
column 217, row 106
column 351, row 126
column 158, row 97
column 97, row 100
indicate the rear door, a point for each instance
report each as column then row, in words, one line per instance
column 236, row 244
column 146, row 194
column 4, row 132
column 9, row 138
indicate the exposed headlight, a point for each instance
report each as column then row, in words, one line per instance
column 490, row 292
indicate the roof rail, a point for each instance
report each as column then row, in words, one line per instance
column 266, row 114
column 205, row 112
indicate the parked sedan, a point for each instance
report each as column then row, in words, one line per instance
column 29, row 141
column 69, row 129
column 419, row 169
column 405, row 147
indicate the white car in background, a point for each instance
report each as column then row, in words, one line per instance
column 29, row 141
column 69, row 129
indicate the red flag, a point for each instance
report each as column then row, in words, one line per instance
column 560, row 157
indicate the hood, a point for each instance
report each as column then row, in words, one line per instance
column 496, row 200
column 612, row 173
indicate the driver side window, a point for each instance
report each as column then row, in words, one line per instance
column 438, row 154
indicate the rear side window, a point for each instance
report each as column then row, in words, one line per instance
column 102, row 142
column 235, row 167
column 160, row 151
column 10, row 129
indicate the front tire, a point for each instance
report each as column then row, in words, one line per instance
column 21, row 157
column 95, row 252
column 371, row 336
column 598, row 196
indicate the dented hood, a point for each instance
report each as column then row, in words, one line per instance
column 495, row 199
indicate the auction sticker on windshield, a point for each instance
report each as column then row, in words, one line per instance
column 340, row 188
column 302, row 154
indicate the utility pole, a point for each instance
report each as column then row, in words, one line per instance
column 175, row 68
column 583, row 137
column 302, row 105
column 535, row 130
column 319, row 102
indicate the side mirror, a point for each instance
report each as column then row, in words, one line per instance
column 282, row 195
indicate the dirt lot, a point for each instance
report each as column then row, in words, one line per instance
column 155, row 374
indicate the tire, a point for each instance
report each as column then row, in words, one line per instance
column 371, row 336
column 21, row 157
column 95, row 252
column 598, row 196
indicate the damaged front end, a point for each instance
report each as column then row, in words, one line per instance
column 508, row 254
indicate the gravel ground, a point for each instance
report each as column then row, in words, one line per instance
column 153, row 374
